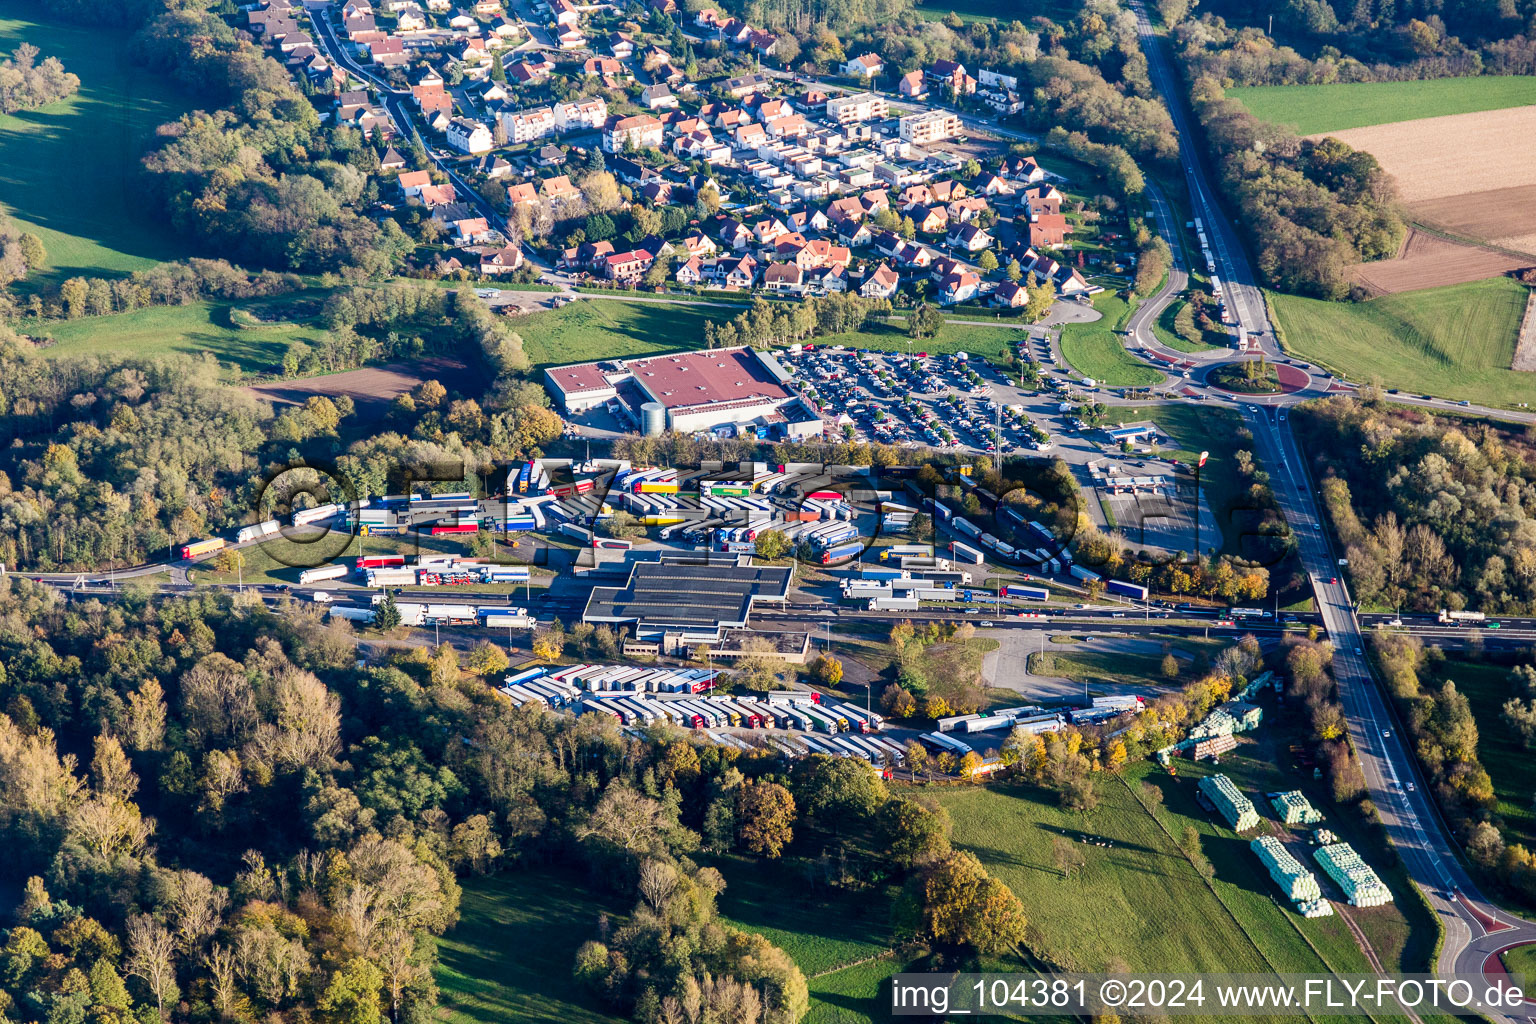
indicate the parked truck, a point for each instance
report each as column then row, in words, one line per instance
column 1086, row 575
column 260, row 531
column 322, row 572
column 1125, row 589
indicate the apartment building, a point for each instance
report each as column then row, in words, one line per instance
column 930, row 127
column 863, row 106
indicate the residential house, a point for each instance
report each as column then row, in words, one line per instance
column 968, row 237
column 930, row 220
column 506, row 260
column 849, row 210
column 432, row 99
column 765, row 43
column 854, row 234
column 434, row 197
column 1022, row 168
column 587, row 255
column 487, row 8
column 915, row 256
column 522, row 194
column 914, row 196
column 690, row 273
column 808, row 220
column 603, row 67
column 819, row 252
column 912, row 85
column 1047, row 229
column 571, row 39
column 658, row 97
column 735, row 235
column 966, row 210
column 412, row 182
column 696, row 243
column 952, row 74
column 494, row 167
column 880, row 283
column 746, row 85
column 411, row 19
column 824, row 280
column 783, row 277
column 627, row 266
column 532, row 68
column 738, row 272
column 388, row 53
column 1009, row 295
column 749, row 137
column 731, row 118
column 640, row 131
column 959, row 287
column 790, row 127
column 768, row 110
column 632, row 172
column 887, row 243
column 707, row 18
column 1042, row 198
column 992, row 185
column 947, row 190
column 767, row 232
column 549, row 155
column 469, row 136
column 620, row 45
column 506, row 28
column 470, row 230
column 566, row 14
column 558, row 188
column 865, row 66
column 735, row 32
column 474, row 53
column 391, row 160
column 1070, row 282
column 464, row 22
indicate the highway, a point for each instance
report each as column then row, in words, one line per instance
column 1474, row 928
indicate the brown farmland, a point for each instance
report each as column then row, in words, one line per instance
column 1471, row 175
column 1428, row 261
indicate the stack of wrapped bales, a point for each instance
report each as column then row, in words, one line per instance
column 1294, row 808
column 1236, row 808
column 1361, row 884
column 1298, row 884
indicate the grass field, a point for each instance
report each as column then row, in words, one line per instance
column 1167, row 326
column 489, row 976
column 70, row 171
column 1141, row 902
column 189, row 330
column 1119, row 668
column 1095, row 350
column 613, row 328
column 508, row 961
column 1310, row 109
column 1522, row 960
column 1508, row 763
column 1454, row 342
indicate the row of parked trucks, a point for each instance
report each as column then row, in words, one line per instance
column 421, row 614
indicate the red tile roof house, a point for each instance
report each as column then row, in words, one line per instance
column 881, row 283
column 783, row 277
column 501, row 261
column 958, row 287
column 627, row 266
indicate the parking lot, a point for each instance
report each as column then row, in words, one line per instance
column 940, row 401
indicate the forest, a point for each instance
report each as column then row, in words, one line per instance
column 1432, row 511
column 1446, row 735
column 257, row 827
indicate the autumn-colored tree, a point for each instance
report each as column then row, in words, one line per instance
column 954, row 902
column 765, row 813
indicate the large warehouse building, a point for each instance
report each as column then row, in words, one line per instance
column 679, row 605
column 690, row 392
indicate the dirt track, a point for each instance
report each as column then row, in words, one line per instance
column 1428, row 261
column 370, row 388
